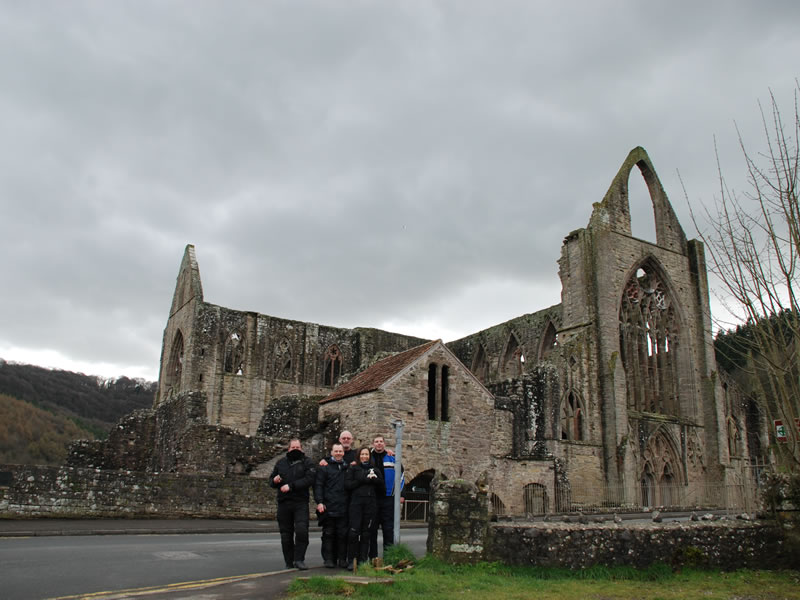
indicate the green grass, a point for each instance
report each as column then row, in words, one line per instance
column 435, row 580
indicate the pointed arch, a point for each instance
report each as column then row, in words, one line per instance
column 549, row 341
column 332, row 366
column 282, row 361
column 652, row 340
column 614, row 210
column 234, row 353
column 572, row 422
column 513, row 359
column 661, row 471
column 480, row 364
column 175, row 362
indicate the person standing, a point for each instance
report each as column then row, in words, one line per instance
column 292, row 476
column 331, row 499
column 364, row 483
column 384, row 502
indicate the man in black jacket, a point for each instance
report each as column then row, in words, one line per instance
column 292, row 476
column 331, row 499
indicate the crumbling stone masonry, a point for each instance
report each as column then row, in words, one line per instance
column 460, row 532
column 67, row 492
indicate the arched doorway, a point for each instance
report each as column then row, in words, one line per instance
column 536, row 500
column 416, row 495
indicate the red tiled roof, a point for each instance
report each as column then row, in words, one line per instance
column 375, row 376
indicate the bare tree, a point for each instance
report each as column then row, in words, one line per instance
column 752, row 241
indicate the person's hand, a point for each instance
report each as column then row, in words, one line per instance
column 285, row 488
column 277, row 479
column 320, row 508
column 323, row 463
column 390, row 452
column 402, row 500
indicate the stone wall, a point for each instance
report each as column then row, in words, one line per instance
column 67, row 492
column 460, row 532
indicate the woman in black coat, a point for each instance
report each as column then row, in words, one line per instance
column 363, row 481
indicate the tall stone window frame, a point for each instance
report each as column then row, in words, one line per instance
column 175, row 364
column 234, row 354
column 438, row 392
column 513, row 361
column 572, row 418
column 283, row 362
column 332, row 366
column 651, row 341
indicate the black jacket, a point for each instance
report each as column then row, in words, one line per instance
column 329, row 488
column 299, row 474
column 359, row 486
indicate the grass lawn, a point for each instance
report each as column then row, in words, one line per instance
column 434, row 580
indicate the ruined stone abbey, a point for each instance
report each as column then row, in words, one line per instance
column 609, row 398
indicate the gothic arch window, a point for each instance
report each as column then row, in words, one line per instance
column 234, row 353
column 432, row 391
column 549, row 341
column 660, row 477
column 649, row 332
column 283, row 360
column 333, row 366
column 513, row 359
column 175, row 364
column 572, row 418
column 480, row 366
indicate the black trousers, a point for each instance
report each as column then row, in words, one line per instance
column 384, row 518
column 334, row 538
column 293, row 525
column 362, row 516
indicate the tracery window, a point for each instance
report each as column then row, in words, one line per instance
column 572, row 421
column 649, row 343
column 234, row 354
column 660, row 482
column 333, row 366
column 283, row 360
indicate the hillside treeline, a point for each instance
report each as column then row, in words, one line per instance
column 92, row 403
column 30, row 435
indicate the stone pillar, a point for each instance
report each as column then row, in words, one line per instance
column 459, row 522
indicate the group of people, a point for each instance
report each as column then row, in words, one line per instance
column 354, row 493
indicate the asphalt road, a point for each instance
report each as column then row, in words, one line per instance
column 35, row 568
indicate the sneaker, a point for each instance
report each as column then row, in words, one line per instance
column 289, row 566
column 299, row 564
column 329, row 564
column 343, row 564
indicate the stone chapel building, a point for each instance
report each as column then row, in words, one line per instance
column 611, row 396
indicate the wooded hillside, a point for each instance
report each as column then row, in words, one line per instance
column 41, row 410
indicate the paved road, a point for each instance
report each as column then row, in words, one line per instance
column 33, row 568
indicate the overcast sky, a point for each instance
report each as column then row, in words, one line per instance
column 412, row 166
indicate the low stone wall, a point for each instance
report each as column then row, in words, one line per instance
column 460, row 532
column 720, row 544
column 69, row 492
